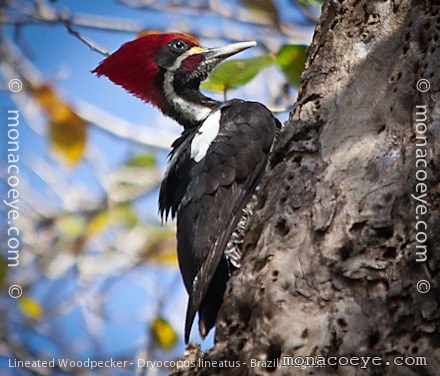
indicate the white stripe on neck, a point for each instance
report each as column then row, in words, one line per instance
column 189, row 110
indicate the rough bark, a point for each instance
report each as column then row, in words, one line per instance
column 330, row 266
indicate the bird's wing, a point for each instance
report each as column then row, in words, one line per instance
column 209, row 195
column 220, row 187
column 177, row 175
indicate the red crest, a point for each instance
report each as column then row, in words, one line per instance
column 134, row 68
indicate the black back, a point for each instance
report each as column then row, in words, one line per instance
column 208, row 198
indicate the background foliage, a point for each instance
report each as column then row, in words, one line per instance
column 98, row 270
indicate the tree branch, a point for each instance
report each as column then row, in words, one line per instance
column 93, row 46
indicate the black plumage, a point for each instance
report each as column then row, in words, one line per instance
column 208, row 198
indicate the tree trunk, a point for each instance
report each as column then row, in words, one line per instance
column 348, row 207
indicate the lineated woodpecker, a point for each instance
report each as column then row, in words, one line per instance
column 214, row 166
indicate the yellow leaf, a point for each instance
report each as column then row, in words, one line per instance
column 163, row 333
column 122, row 214
column 164, row 252
column 161, row 247
column 98, row 223
column 67, row 130
column 70, row 226
column 30, row 308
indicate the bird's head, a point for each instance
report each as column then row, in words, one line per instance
column 163, row 68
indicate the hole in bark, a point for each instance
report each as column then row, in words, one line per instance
column 305, row 333
column 244, row 314
column 416, row 67
column 427, row 25
column 415, row 337
column 392, row 79
column 283, row 200
column 261, row 202
column 415, row 350
column 399, row 76
column 281, row 228
column 381, row 128
column 393, row 309
column 273, row 354
column 436, row 37
column 385, row 232
column 342, row 323
column 372, row 339
column 260, row 263
column 345, row 251
column 297, row 159
column 357, row 227
column 390, row 252
column 387, row 197
column 407, row 36
column 240, row 346
column 269, row 315
column 435, row 340
column 405, row 49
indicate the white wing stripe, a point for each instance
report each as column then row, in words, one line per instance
column 207, row 132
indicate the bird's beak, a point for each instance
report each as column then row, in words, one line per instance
column 220, row 53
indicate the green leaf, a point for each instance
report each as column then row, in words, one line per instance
column 235, row 73
column 292, row 59
column 315, row 3
column 126, row 215
column 142, row 160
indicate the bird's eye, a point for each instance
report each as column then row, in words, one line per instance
column 178, row 45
